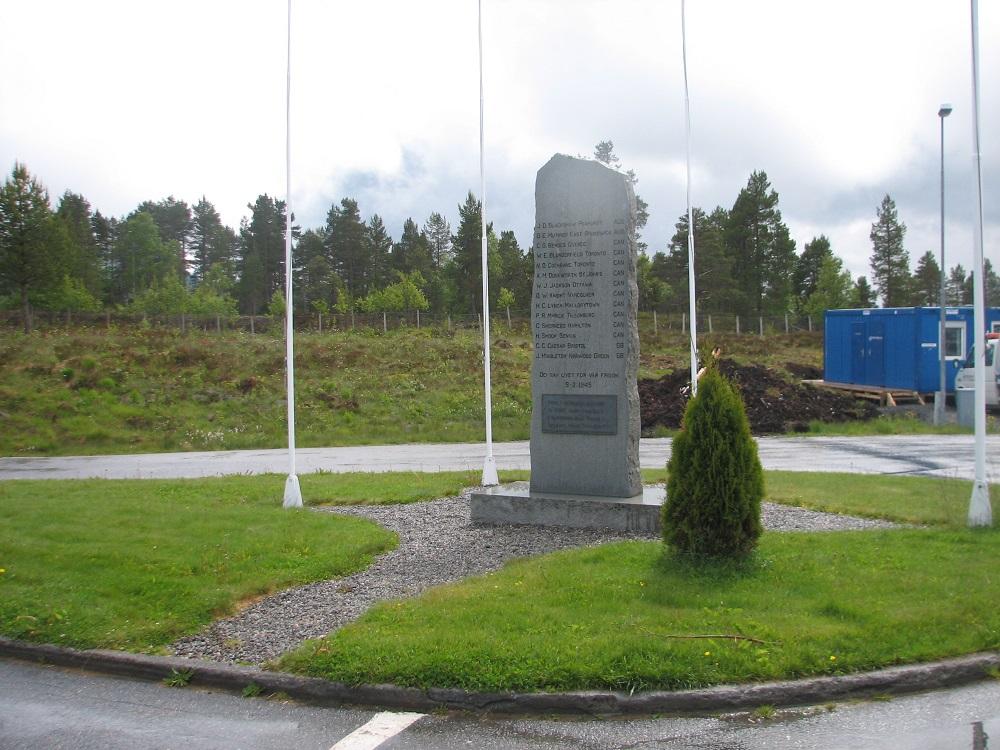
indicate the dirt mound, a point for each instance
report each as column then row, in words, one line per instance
column 804, row 372
column 774, row 405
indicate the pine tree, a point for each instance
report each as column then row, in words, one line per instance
column 261, row 263
column 714, row 283
column 925, row 286
column 715, row 482
column 85, row 263
column 141, row 256
column 438, row 234
column 173, row 218
column 604, row 152
column 412, row 252
column 958, row 290
column 210, row 242
column 862, row 295
column 467, row 269
column 29, row 260
column 314, row 277
column 991, row 286
column 513, row 271
column 991, row 295
column 808, row 265
column 889, row 260
column 762, row 250
column 347, row 243
column 653, row 292
column 380, row 248
column 105, row 232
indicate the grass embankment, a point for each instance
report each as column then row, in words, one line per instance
column 135, row 564
column 133, row 390
column 153, row 390
column 84, row 391
column 630, row 616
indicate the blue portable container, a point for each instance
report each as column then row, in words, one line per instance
column 897, row 347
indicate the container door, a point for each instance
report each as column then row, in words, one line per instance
column 875, row 360
column 857, row 353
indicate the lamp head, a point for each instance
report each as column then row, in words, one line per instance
column 945, row 110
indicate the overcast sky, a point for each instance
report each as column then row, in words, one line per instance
column 836, row 100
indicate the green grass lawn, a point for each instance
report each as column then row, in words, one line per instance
column 632, row 616
column 134, row 564
column 891, row 424
column 915, row 500
column 629, row 617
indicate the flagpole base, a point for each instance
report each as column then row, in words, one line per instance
column 293, row 495
column 980, row 512
column 490, row 478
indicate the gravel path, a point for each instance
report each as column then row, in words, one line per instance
column 437, row 544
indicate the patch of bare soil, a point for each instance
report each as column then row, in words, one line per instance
column 773, row 403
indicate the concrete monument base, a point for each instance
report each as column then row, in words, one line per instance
column 515, row 503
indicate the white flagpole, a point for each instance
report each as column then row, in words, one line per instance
column 293, row 495
column 489, row 465
column 980, row 513
column 691, row 289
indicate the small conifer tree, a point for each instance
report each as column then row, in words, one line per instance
column 715, row 481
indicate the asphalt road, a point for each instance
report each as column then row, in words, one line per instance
column 48, row 707
column 948, row 456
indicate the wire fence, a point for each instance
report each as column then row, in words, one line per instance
column 649, row 323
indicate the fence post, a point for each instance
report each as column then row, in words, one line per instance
column 683, row 322
column 508, row 318
column 479, row 318
column 252, row 324
column 761, row 321
column 737, row 325
column 786, row 322
column 710, row 324
column 654, row 322
column 418, row 318
column 320, row 315
column 810, row 319
column 385, row 328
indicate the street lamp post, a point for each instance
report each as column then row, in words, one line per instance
column 941, row 396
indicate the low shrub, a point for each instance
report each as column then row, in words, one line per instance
column 715, row 482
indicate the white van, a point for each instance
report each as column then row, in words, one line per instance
column 965, row 378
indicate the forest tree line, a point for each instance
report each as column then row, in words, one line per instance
column 169, row 257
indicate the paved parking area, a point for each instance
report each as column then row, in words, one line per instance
column 949, row 456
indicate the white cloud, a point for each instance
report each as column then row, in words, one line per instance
column 837, row 102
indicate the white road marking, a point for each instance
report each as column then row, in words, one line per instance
column 381, row 727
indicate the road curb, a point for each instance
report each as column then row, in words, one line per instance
column 233, row 678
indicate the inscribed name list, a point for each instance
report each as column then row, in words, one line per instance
column 583, row 320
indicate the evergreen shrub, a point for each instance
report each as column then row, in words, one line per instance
column 715, row 482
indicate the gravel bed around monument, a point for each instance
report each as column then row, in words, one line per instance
column 437, row 544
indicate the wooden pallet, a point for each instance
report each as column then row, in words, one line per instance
column 885, row 396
